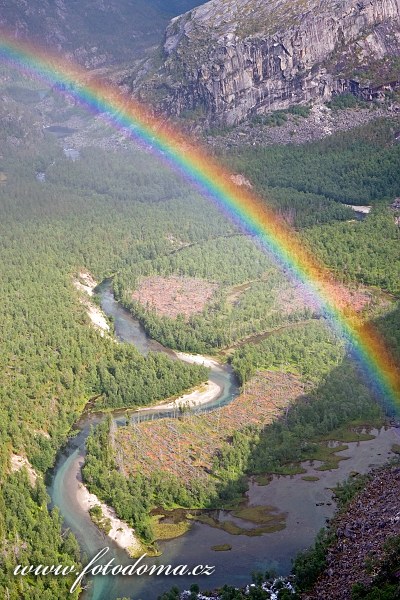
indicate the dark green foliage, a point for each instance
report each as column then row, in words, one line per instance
column 111, row 213
column 300, row 110
column 125, row 378
column 341, row 397
column 133, row 498
column 52, row 360
column 367, row 252
column 303, row 209
column 33, row 537
column 356, row 167
column 227, row 260
column 275, row 119
column 310, row 349
column 279, row 117
column 308, row 565
column 173, row 594
column 346, row 100
column 346, row 491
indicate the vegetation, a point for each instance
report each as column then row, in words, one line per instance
column 308, row 565
column 339, row 396
column 355, row 252
column 120, row 214
column 343, row 167
column 52, row 360
column 310, row 349
column 346, row 100
column 103, row 523
column 386, row 585
column 279, row 117
column 235, row 311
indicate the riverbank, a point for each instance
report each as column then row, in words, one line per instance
column 198, row 359
column 121, row 533
column 176, row 443
column 86, row 285
column 206, row 393
column 360, row 553
column 186, row 448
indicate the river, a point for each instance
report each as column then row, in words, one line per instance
column 307, row 504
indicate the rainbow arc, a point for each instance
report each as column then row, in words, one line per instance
column 244, row 207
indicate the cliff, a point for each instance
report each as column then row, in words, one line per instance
column 228, row 59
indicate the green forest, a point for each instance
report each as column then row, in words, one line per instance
column 52, row 361
column 336, row 396
column 121, row 214
column 359, row 166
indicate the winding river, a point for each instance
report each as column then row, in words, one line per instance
column 307, row 504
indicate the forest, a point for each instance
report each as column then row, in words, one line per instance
column 121, row 214
column 337, row 395
column 360, row 166
column 53, row 362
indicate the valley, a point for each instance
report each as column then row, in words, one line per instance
column 299, row 358
column 169, row 384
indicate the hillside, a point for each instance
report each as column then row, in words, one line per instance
column 226, row 60
column 96, row 33
column 363, row 557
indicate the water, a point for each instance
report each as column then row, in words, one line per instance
column 60, row 131
column 66, row 480
column 291, row 495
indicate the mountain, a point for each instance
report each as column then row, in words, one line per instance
column 228, row 59
column 96, row 33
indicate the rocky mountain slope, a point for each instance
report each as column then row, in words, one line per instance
column 96, row 33
column 228, row 59
column 366, row 548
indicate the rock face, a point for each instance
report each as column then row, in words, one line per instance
column 228, row 59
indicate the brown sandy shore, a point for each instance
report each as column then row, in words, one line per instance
column 203, row 395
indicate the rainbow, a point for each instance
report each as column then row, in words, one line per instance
column 244, row 207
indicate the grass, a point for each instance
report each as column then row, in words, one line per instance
column 221, row 548
column 290, row 469
column 265, row 517
column 255, row 514
column 351, row 432
column 167, row 529
column 328, row 456
column 264, row 479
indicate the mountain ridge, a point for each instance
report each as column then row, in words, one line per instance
column 228, row 59
column 96, row 34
